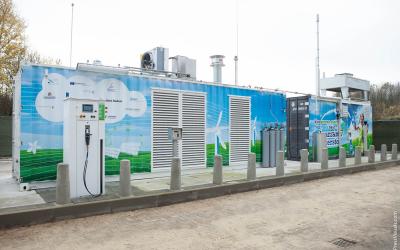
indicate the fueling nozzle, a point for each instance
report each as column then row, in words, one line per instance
column 87, row 134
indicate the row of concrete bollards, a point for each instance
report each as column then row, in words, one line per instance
column 63, row 188
column 280, row 171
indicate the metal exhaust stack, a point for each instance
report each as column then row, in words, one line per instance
column 217, row 62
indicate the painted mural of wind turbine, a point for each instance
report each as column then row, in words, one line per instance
column 332, row 111
column 217, row 136
column 253, row 135
column 32, row 147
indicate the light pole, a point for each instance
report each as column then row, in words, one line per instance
column 72, row 26
column 317, row 60
column 317, row 75
column 236, row 58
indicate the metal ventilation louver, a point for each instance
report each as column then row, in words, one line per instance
column 239, row 129
column 165, row 114
column 193, row 129
column 179, row 109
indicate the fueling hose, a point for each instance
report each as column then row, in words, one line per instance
column 87, row 141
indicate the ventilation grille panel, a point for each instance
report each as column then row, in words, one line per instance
column 193, row 129
column 165, row 115
column 179, row 109
column 239, row 129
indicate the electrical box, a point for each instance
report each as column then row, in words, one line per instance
column 184, row 65
column 83, row 140
column 175, row 134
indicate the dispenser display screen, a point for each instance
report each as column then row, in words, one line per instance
column 87, row 108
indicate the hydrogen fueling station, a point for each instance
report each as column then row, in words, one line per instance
column 160, row 119
column 93, row 116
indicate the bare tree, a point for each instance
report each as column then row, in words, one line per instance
column 36, row 58
column 385, row 100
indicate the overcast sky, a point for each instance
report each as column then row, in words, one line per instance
column 277, row 39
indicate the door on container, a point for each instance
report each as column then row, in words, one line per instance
column 298, row 126
column 183, row 109
column 239, row 129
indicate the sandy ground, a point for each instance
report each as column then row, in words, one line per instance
column 308, row 215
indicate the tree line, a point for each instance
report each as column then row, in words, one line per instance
column 385, row 101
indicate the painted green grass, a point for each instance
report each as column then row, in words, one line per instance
column 369, row 139
column 40, row 166
column 43, row 165
column 357, row 141
column 223, row 152
column 257, row 149
column 333, row 152
column 139, row 163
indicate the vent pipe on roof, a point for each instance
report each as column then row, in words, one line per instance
column 217, row 62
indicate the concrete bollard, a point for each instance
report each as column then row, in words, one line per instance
column 62, row 188
column 394, row 151
column 125, row 178
column 383, row 152
column 251, row 167
column 324, row 160
column 357, row 155
column 217, row 172
column 280, row 163
column 371, row 154
column 175, row 174
column 342, row 157
column 304, row 160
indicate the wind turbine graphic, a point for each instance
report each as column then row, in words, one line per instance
column 253, row 137
column 217, row 136
column 33, row 146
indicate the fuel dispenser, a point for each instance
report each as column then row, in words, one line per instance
column 83, row 141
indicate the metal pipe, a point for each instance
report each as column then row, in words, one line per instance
column 236, row 70
column 217, row 62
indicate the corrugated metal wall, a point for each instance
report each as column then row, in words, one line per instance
column 5, row 136
column 297, row 121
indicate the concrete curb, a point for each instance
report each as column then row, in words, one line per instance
column 61, row 212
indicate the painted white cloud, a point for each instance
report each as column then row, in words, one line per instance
column 115, row 93
column 81, row 87
column 119, row 100
column 136, row 105
column 49, row 101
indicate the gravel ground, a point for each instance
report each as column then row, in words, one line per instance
column 310, row 215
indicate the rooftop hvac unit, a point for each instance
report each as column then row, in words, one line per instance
column 155, row 59
column 185, row 66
